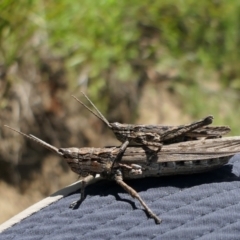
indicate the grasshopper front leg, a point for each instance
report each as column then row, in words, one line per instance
column 84, row 182
column 118, row 178
column 125, row 144
column 122, row 149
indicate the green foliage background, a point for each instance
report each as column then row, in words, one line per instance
column 106, row 32
column 100, row 31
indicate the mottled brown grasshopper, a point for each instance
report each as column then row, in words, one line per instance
column 138, row 162
column 157, row 135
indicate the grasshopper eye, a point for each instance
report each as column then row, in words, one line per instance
column 64, row 152
column 60, row 151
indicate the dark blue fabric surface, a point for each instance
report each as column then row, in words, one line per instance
column 203, row 206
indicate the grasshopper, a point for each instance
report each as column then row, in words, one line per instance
column 138, row 162
column 157, row 135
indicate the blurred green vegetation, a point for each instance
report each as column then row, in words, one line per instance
column 197, row 39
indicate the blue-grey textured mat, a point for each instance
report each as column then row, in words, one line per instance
column 202, row 206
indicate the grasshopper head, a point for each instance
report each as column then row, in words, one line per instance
column 121, row 128
column 121, row 131
column 72, row 158
column 117, row 126
column 70, row 153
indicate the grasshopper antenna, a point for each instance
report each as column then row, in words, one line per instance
column 37, row 140
column 100, row 116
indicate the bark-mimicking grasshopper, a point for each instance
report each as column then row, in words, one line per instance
column 157, row 135
column 138, row 162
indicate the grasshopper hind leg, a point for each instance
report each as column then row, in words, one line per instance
column 134, row 194
column 153, row 145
